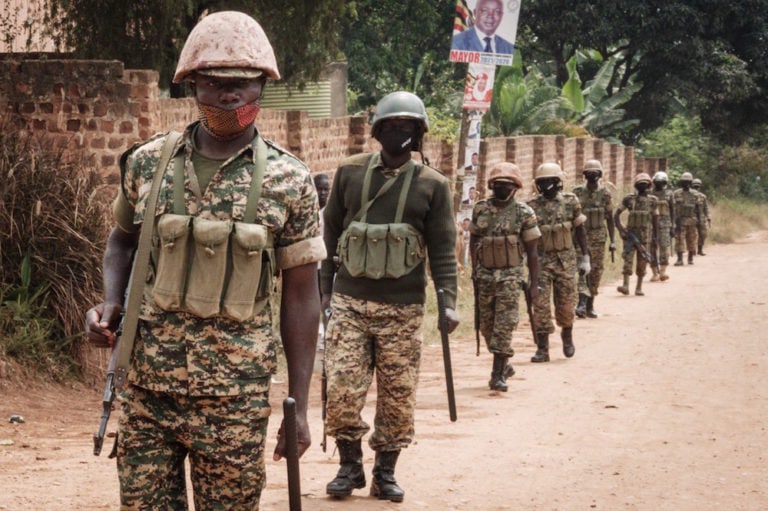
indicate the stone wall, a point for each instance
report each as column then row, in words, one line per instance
column 98, row 109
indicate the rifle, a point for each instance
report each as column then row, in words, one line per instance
column 613, row 251
column 529, row 308
column 107, row 400
column 324, row 380
column 292, row 454
column 442, row 323
column 477, row 315
column 633, row 243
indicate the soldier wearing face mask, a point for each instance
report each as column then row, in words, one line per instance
column 597, row 205
column 666, row 229
column 643, row 222
column 688, row 215
column 503, row 236
column 384, row 214
column 560, row 221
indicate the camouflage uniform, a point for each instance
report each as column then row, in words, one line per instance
column 642, row 209
column 557, row 268
column 499, row 288
column 597, row 206
column 687, row 215
column 666, row 203
column 704, row 220
column 200, row 387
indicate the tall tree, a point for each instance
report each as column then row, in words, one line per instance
column 150, row 33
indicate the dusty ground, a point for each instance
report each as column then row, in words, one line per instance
column 664, row 407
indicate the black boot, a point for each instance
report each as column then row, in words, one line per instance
column 500, row 372
column 542, row 351
column 384, row 485
column 701, row 250
column 591, row 312
column 581, row 308
column 679, row 261
column 350, row 475
column 566, row 334
column 690, row 257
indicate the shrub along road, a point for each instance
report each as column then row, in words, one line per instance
column 663, row 407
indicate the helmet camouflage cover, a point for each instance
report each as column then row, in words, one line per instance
column 505, row 171
column 548, row 169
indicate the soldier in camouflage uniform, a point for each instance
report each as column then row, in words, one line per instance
column 666, row 205
column 503, row 236
column 385, row 212
column 560, row 221
column 687, row 218
column 199, row 379
column 597, row 205
column 705, row 221
column 643, row 223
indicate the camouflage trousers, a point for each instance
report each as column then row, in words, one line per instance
column 589, row 285
column 665, row 240
column 687, row 238
column 366, row 337
column 702, row 231
column 557, row 282
column 498, row 298
column 641, row 265
column 223, row 437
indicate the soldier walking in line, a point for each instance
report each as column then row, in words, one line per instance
column 560, row 222
column 705, row 221
column 666, row 205
column 504, row 235
column 386, row 212
column 597, row 205
column 642, row 227
column 687, row 218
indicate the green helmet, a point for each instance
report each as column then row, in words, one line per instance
column 687, row 176
column 400, row 105
column 593, row 166
column 549, row 169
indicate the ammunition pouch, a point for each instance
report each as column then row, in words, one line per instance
column 556, row 237
column 638, row 219
column 595, row 218
column 500, row 252
column 378, row 251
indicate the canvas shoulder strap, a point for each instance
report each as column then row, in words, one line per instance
column 141, row 264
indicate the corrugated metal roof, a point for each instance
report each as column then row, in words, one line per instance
column 315, row 99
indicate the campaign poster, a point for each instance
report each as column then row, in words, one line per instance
column 484, row 32
column 478, row 89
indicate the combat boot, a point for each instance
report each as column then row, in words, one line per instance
column 384, row 485
column 655, row 277
column 542, row 348
column 566, row 335
column 663, row 273
column 350, row 475
column 679, row 261
column 500, row 372
column 701, row 250
column 591, row 312
column 581, row 308
column 639, row 287
column 624, row 288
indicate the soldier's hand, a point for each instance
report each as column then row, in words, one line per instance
column 584, row 265
column 302, row 432
column 452, row 319
column 101, row 323
column 533, row 291
column 612, row 246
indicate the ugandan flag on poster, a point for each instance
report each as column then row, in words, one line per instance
column 464, row 17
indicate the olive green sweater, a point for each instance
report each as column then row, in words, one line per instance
column 428, row 208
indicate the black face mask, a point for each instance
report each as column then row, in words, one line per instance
column 592, row 177
column 503, row 192
column 548, row 187
column 641, row 187
column 685, row 185
column 397, row 142
column 659, row 185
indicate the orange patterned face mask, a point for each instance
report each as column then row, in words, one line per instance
column 224, row 124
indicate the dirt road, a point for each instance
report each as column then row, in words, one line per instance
column 664, row 407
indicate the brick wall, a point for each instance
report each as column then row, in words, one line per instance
column 98, row 109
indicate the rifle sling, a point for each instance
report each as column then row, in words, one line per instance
column 141, row 264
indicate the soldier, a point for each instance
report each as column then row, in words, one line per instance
column 233, row 211
column 384, row 214
column 643, row 223
column 705, row 221
column 503, row 236
column 597, row 205
column 560, row 221
column 687, row 218
column 666, row 205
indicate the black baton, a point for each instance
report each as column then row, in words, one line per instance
column 443, row 325
column 292, row 454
